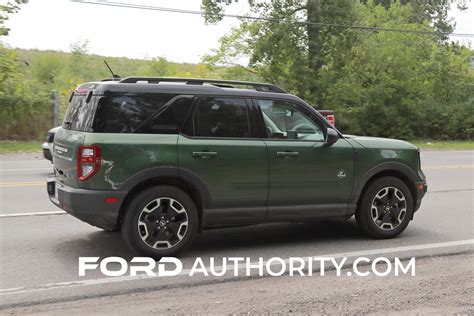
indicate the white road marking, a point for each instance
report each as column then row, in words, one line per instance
column 442, row 167
column 32, row 214
column 32, row 169
column 69, row 284
column 40, row 160
column 437, row 152
column 437, row 158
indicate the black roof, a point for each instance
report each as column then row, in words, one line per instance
column 258, row 86
column 188, row 86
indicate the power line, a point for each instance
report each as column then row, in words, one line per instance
column 201, row 13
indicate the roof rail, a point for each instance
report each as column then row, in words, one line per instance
column 111, row 79
column 265, row 87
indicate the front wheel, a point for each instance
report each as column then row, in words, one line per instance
column 160, row 221
column 385, row 209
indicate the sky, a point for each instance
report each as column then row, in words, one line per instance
column 56, row 24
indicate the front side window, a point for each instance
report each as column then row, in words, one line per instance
column 219, row 117
column 285, row 120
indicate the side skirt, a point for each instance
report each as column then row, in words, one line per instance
column 231, row 217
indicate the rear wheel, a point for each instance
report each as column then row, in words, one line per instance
column 385, row 209
column 160, row 221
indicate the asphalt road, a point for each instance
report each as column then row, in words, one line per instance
column 39, row 254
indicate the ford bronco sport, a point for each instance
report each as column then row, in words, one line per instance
column 161, row 159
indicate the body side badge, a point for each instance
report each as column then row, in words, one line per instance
column 341, row 174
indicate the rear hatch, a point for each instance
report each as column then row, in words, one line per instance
column 77, row 122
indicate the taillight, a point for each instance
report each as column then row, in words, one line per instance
column 331, row 119
column 88, row 162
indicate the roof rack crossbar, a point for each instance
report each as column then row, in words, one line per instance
column 265, row 87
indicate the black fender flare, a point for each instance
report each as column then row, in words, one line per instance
column 169, row 172
column 386, row 166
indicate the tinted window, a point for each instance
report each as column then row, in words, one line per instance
column 286, row 120
column 169, row 119
column 79, row 114
column 220, row 117
column 141, row 113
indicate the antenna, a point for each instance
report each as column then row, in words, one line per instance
column 114, row 76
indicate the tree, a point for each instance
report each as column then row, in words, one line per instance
column 161, row 67
column 394, row 84
column 292, row 54
column 280, row 48
column 427, row 10
column 6, row 9
column 79, row 50
column 46, row 68
column 402, row 85
column 23, row 107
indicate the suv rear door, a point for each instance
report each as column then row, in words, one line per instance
column 219, row 145
column 307, row 178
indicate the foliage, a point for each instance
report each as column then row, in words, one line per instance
column 27, row 78
column 401, row 84
column 448, row 145
column 8, row 8
column 23, row 107
column 394, row 84
column 391, row 84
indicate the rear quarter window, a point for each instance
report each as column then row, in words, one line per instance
column 149, row 113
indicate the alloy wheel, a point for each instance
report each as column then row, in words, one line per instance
column 388, row 208
column 163, row 223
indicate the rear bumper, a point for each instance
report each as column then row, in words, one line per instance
column 89, row 206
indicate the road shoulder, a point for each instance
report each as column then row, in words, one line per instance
column 442, row 285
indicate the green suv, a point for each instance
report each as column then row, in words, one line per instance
column 161, row 159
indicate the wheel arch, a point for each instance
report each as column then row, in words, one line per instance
column 182, row 179
column 396, row 170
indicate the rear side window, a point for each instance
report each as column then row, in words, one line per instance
column 79, row 114
column 149, row 113
column 220, row 117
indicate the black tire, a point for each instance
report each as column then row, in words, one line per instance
column 136, row 216
column 374, row 216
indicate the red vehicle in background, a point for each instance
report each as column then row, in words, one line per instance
column 329, row 116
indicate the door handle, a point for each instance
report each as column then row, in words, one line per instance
column 287, row 154
column 204, row 154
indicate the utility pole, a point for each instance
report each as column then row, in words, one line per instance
column 55, row 104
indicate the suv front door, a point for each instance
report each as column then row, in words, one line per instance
column 218, row 145
column 308, row 179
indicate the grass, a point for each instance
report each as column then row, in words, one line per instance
column 9, row 147
column 439, row 144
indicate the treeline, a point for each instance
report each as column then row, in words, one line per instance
column 398, row 84
column 401, row 76
column 28, row 77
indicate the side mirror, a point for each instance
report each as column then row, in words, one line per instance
column 331, row 137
